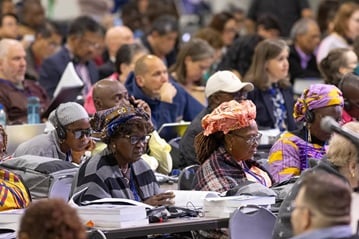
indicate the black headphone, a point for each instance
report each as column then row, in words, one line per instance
column 309, row 115
column 60, row 129
column 347, row 105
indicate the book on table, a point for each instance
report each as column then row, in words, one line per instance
column 192, row 199
column 110, row 212
column 224, row 206
column 10, row 219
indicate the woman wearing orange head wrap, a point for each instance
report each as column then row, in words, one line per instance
column 226, row 147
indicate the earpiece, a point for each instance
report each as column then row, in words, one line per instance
column 60, row 129
column 309, row 116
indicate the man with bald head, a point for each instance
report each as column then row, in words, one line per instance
column 108, row 93
column 115, row 37
column 168, row 101
column 14, row 89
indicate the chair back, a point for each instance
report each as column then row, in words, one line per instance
column 256, row 223
column 186, row 177
column 61, row 187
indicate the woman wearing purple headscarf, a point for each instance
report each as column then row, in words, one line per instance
column 290, row 154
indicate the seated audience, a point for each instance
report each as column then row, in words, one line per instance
column 47, row 41
column 336, row 64
column 161, row 39
column 9, row 26
column 118, row 171
column 290, row 155
column 321, row 208
column 84, row 39
column 168, row 101
column 344, row 31
column 32, row 17
column 342, row 161
column 226, row 146
column 126, row 58
column 193, row 60
column 349, row 86
column 302, row 59
column 272, row 94
column 71, row 135
column 225, row 23
column 221, row 87
column 239, row 56
column 115, row 38
column 109, row 93
column 14, row 89
column 51, row 219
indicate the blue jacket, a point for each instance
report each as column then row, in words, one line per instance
column 52, row 68
column 184, row 106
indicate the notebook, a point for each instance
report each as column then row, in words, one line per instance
column 18, row 134
column 177, row 128
column 66, row 94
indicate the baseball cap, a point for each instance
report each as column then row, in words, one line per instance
column 226, row 81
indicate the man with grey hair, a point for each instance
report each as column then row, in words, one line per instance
column 305, row 35
column 14, row 89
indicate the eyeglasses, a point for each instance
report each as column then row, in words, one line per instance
column 79, row 133
column 251, row 140
column 240, row 95
column 136, row 139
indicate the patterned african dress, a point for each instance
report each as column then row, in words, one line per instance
column 289, row 156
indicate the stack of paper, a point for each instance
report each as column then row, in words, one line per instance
column 10, row 219
column 224, row 206
column 113, row 216
column 110, row 212
column 192, row 199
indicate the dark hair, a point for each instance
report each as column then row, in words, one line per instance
column 48, row 30
column 326, row 13
column 268, row 22
column 8, row 15
column 219, row 20
column 51, row 219
column 206, row 145
column 84, row 24
column 329, row 195
column 329, row 66
column 125, row 54
column 165, row 24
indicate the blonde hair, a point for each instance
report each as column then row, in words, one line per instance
column 341, row 151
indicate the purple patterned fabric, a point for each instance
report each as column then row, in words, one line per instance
column 289, row 156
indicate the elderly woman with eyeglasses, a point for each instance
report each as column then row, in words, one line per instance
column 290, row 155
column 226, row 146
column 118, row 171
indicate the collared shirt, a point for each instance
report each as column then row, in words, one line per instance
column 304, row 58
column 330, row 232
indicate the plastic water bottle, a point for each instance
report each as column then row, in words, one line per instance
column 33, row 110
column 2, row 115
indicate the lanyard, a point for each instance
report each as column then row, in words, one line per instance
column 259, row 178
column 133, row 187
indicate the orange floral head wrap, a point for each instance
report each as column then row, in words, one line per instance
column 229, row 116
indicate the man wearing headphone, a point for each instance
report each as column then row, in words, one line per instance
column 72, row 134
column 289, row 156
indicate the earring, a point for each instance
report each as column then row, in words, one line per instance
column 353, row 174
column 309, row 134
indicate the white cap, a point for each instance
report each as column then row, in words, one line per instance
column 226, row 81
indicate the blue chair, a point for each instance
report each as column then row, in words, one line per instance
column 250, row 222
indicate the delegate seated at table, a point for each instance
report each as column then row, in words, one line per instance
column 226, row 147
column 118, row 171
